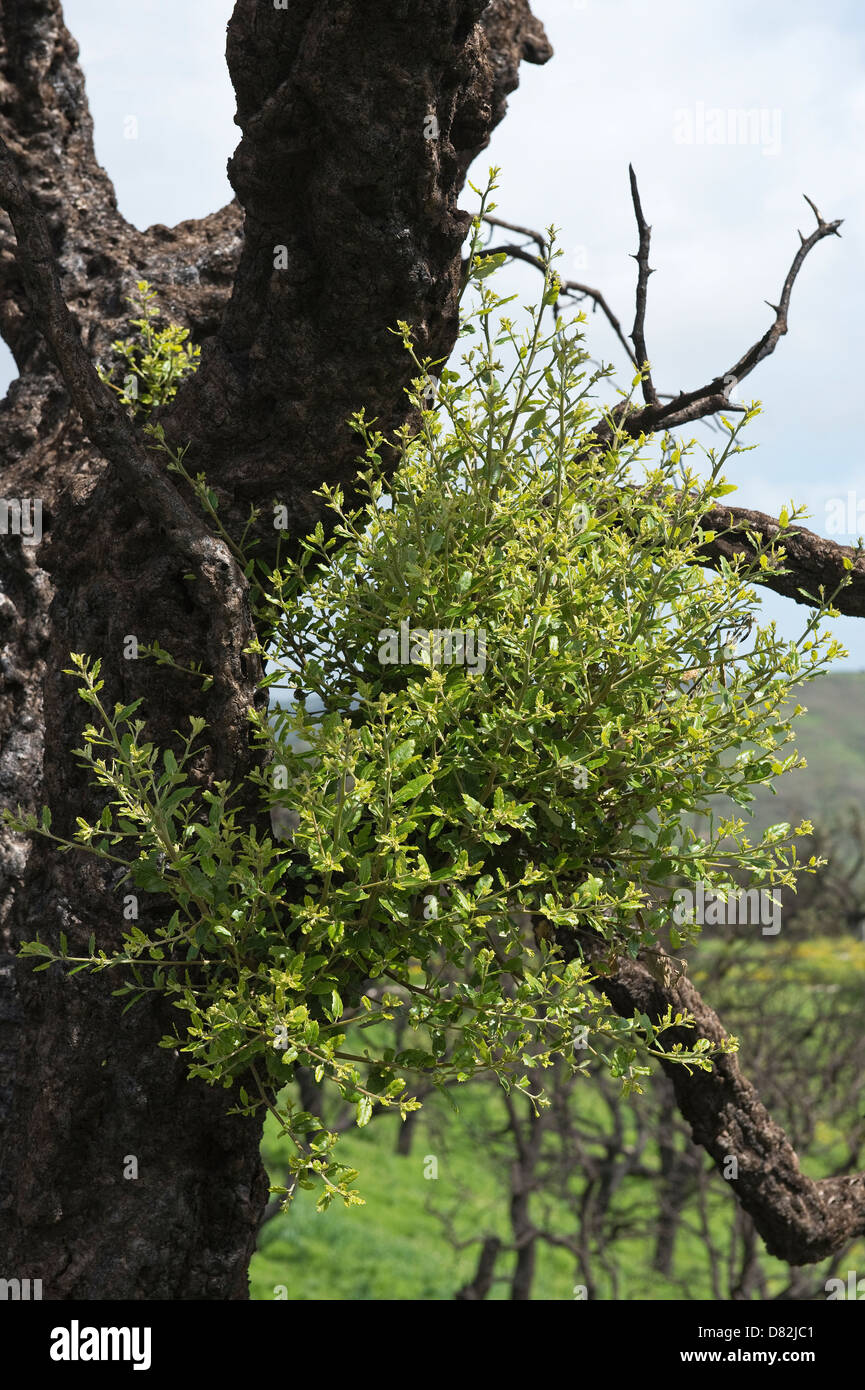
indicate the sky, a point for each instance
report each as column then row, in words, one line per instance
column 662, row 84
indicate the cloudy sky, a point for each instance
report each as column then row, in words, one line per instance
column 660, row 83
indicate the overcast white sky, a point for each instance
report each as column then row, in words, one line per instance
column 632, row 80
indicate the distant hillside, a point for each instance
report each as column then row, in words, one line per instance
column 831, row 736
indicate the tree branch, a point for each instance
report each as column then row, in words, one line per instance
column 810, row 562
column 540, row 241
column 638, row 333
column 45, row 120
column 712, row 397
column 223, row 587
column 107, row 423
column 800, row 1219
column 670, row 411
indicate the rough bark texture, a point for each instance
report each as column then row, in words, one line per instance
column 334, row 165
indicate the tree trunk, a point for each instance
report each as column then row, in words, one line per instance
column 333, row 165
column 479, row 1287
column 528, row 1139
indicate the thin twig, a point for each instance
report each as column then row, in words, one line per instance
column 638, row 334
column 571, row 289
column 671, row 411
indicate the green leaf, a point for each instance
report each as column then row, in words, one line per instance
column 413, row 788
column 402, row 753
column 480, row 270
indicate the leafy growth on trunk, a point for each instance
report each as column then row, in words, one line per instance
column 154, row 360
column 514, row 684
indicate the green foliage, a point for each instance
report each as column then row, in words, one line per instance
column 455, row 823
column 154, row 361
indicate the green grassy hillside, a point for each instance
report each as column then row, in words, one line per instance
column 831, row 736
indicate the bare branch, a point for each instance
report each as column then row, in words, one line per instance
column 800, row 1219
column 540, row 241
column 661, row 411
column 768, row 342
column 638, row 334
column 687, row 406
